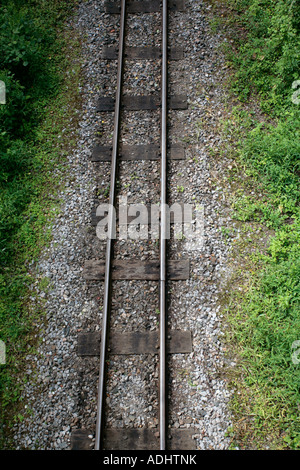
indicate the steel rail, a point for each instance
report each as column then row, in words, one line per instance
column 110, row 236
column 163, row 231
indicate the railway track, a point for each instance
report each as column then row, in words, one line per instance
column 163, row 341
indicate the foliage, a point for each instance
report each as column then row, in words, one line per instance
column 267, row 61
column 264, row 312
column 27, row 42
column 32, row 64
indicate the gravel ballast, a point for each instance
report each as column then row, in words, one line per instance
column 61, row 389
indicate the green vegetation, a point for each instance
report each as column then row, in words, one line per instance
column 35, row 134
column 263, row 51
column 36, row 128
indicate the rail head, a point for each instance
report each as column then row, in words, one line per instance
column 112, row 198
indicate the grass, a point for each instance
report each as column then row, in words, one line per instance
column 261, row 305
column 29, row 197
column 262, row 314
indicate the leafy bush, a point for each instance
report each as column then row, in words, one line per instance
column 274, row 151
column 14, row 115
column 268, row 58
column 31, row 66
column 265, row 319
column 24, row 43
column 27, row 43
